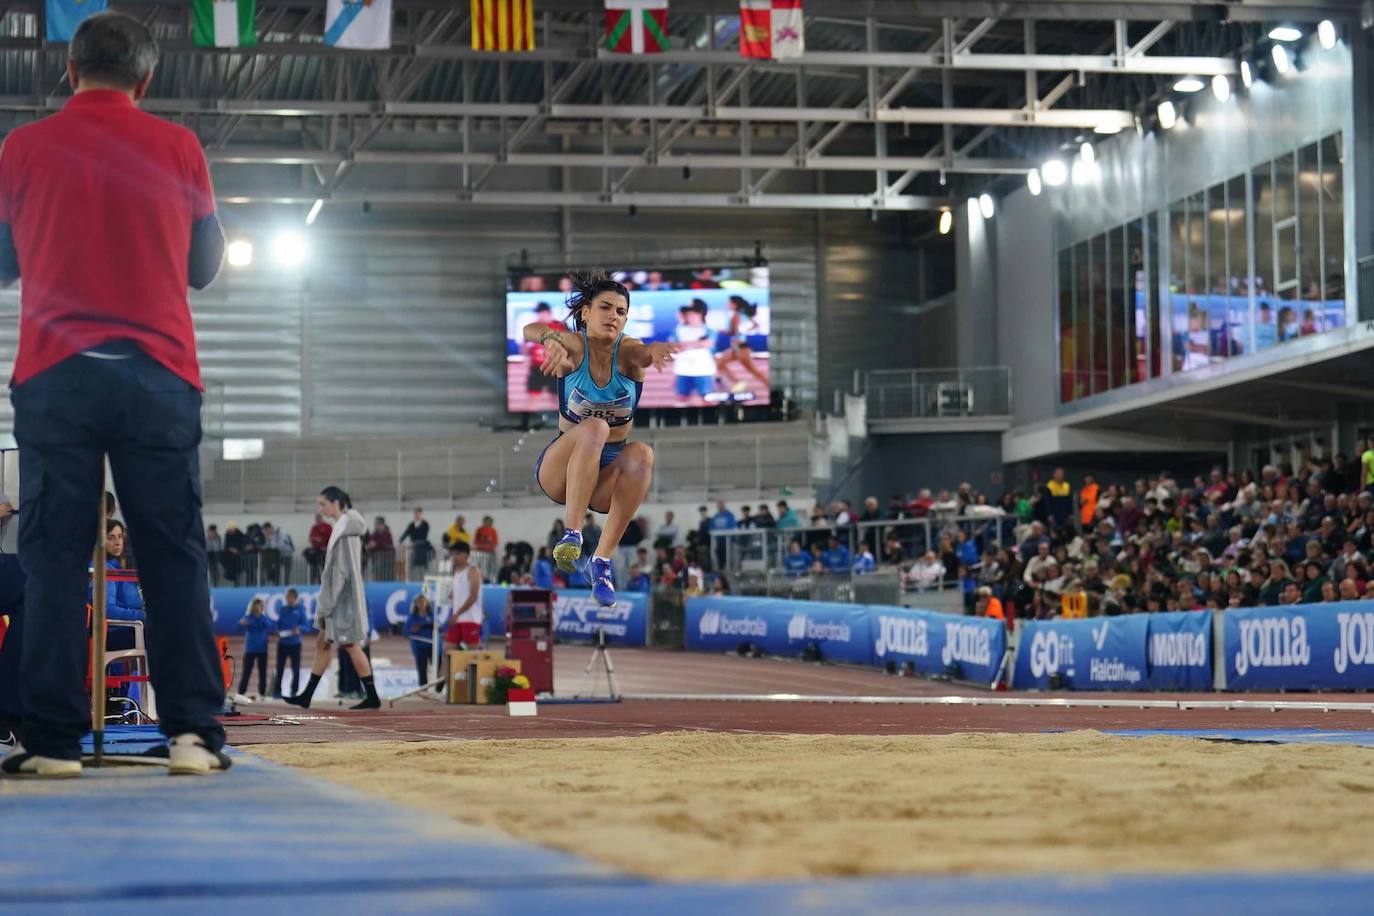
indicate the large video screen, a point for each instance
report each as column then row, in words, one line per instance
column 717, row 317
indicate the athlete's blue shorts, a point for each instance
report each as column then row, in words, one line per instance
column 688, row 385
column 609, row 453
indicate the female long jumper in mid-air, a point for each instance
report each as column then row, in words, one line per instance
column 591, row 464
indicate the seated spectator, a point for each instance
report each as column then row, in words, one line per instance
column 893, row 554
column 720, row 585
column 927, row 572
column 543, row 569
column 666, row 535
column 864, row 562
column 123, row 600
column 1038, row 563
column 835, row 558
column 797, row 561
column 989, row 605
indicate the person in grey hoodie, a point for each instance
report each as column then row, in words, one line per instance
column 341, row 608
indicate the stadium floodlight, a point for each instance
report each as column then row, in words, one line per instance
column 1247, row 74
column 985, row 205
column 1055, row 172
column 1168, row 114
column 946, row 221
column 1281, row 60
column 1033, row 182
column 1088, row 153
column 239, row 253
column 1285, row 33
column 288, row 248
column 1188, row 84
column 1107, row 128
column 1221, row 87
column 314, row 213
column 1326, row 34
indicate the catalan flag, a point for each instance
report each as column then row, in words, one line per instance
column 503, row 25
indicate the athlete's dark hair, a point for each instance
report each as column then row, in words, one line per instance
column 586, row 287
column 336, row 495
column 745, row 307
column 113, row 48
column 699, row 306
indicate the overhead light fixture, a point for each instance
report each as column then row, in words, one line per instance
column 1084, row 172
column 1281, row 59
column 1326, row 34
column 288, row 248
column 1247, row 75
column 1285, row 33
column 1054, row 172
column 1188, row 84
column 1168, row 114
column 946, row 220
column 1033, row 182
column 1221, row 87
column 314, row 213
column 239, row 253
column 1087, row 152
column 985, row 205
column 1107, row 128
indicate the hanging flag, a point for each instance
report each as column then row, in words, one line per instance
column 503, row 25
column 223, row 23
column 362, row 24
column 65, row 15
column 771, row 29
column 636, row 26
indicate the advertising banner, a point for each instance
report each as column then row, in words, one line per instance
column 839, row 632
column 1180, row 650
column 1099, row 653
column 1300, row 647
column 968, row 648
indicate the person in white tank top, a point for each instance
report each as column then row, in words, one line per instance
column 465, row 626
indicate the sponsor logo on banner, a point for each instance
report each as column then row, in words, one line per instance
column 714, row 623
column 1049, row 652
column 397, row 606
column 1273, row 642
column 802, row 626
column 584, row 617
column 1113, row 670
column 1100, row 635
column 905, row 635
column 966, row 643
column 1357, row 641
column 1178, row 649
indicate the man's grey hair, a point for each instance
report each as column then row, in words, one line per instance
column 113, row 49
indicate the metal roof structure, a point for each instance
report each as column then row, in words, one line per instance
column 894, row 105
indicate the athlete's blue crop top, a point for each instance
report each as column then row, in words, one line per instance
column 579, row 396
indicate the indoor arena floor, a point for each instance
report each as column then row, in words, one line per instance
column 860, row 792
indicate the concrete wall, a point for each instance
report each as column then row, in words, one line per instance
column 906, row 463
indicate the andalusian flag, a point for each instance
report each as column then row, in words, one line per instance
column 503, row 25
column 222, row 23
column 364, row 24
column 65, row 15
column 770, row 29
column 636, row 26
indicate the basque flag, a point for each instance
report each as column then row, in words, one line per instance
column 636, row 26
column 770, row 29
column 65, row 15
column 358, row 24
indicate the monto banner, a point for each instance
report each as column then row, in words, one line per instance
column 1180, row 650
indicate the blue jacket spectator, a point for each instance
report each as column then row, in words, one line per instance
column 543, row 570
column 290, row 621
column 639, row 583
column 123, row 600
column 724, row 519
column 864, row 562
column 420, row 623
column 256, row 629
column 797, row 561
column 836, row 559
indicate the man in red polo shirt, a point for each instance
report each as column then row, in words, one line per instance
column 106, row 217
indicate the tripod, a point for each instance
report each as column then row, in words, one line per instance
column 602, row 654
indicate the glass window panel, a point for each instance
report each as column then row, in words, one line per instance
column 1197, row 343
column 1082, row 313
column 1285, row 203
column 1262, row 205
column 1217, row 300
column 1101, row 329
column 1333, row 231
column 1237, row 266
column 1154, row 296
column 1133, row 303
column 1311, row 319
column 1178, row 284
column 1066, row 336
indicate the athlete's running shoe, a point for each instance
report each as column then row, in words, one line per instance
column 602, row 574
column 568, row 550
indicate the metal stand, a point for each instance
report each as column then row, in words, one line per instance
column 98, row 634
column 602, row 654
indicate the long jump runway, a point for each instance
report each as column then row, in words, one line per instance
column 267, row 838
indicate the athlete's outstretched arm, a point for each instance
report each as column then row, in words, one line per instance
column 562, row 349
column 641, row 355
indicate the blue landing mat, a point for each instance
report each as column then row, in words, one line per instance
column 1262, row 735
column 126, row 739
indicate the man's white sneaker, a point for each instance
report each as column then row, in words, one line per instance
column 20, row 764
column 187, row 755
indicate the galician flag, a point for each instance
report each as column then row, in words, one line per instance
column 636, row 26
column 359, row 24
column 65, row 15
column 223, row 23
column 770, row 29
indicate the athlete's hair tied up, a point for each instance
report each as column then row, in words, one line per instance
column 585, row 288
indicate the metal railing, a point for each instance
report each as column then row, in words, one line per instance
column 377, row 476
column 983, row 391
column 260, row 568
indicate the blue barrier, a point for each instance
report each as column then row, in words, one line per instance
column 840, row 632
column 576, row 616
column 1300, row 647
column 1100, row 653
column 935, row 642
column 1180, row 650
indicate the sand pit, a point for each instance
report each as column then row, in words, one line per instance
column 693, row 805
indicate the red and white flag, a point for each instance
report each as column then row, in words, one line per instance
column 771, row 29
column 636, row 26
